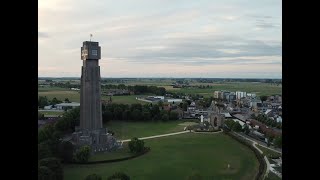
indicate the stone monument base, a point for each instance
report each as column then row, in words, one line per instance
column 99, row 140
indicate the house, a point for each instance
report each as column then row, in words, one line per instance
column 47, row 107
column 63, row 106
column 268, row 131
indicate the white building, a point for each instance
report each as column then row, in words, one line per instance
column 240, row 94
column 48, row 107
column 279, row 119
column 158, row 97
column 62, row 106
column 174, row 100
column 253, row 95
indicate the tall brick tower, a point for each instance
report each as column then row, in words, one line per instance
column 90, row 92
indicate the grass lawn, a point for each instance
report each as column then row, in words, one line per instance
column 51, row 112
column 268, row 152
column 131, row 99
column 128, row 130
column 120, row 153
column 176, row 157
column 73, row 96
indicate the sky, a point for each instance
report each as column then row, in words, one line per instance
column 163, row 38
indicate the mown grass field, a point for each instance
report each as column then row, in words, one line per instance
column 124, row 99
column 119, row 153
column 74, row 96
column 127, row 130
column 51, row 112
column 176, row 157
column 258, row 88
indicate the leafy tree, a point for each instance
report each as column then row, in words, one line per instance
column 269, row 140
column 136, row 145
column 237, row 127
column 119, row 176
column 229, row 123
column 185, row 106
column 253, row 116
column 93, row 177
column 173, row 115
column 66, row 151
column 246, row 129
column 44, row 151
column 263, row 98
column 126, row 115
column 54, row 165
column 136, row 115
column 155, row 110
column 44, row 173
column 106, row 116
column 160, row 103
column 82, row 154
column 67, row 100
column 42, row 101
column 278, row 141
column 55, row 101
column 165, row 117
column 146, row 115
column 117, row 114
column 45, row 133
column 40, row 115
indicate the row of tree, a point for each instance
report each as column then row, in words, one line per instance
column 44, row 101
column 267, row 121
column 136, row 112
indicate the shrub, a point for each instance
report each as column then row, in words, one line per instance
column 82, row 154
column 44, row 173
column 136, row 145
column 119, row 175
column 54, row 165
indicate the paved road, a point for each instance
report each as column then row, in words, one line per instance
column 260, row 143
column 156, row 136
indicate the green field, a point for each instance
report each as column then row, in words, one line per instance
column 124, row 99
column 128, row 130
column 176, row 157
column 120, row 153
column 258, row 88
column 61, row 94
column 51, row 112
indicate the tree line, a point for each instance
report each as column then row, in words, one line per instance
column 267, row 121
column 44, row 101
column 136, row 112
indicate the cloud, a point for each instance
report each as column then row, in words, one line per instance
column 42, row 35
column 135, row 36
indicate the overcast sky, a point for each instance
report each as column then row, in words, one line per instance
column 163, row 38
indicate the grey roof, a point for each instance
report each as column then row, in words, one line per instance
column 69, row 104
column 239, row 116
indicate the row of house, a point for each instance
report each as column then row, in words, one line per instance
column 231, row 96
column 62, row 106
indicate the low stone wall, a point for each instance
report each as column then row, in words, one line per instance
column 262, row 163
column 147, row 149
